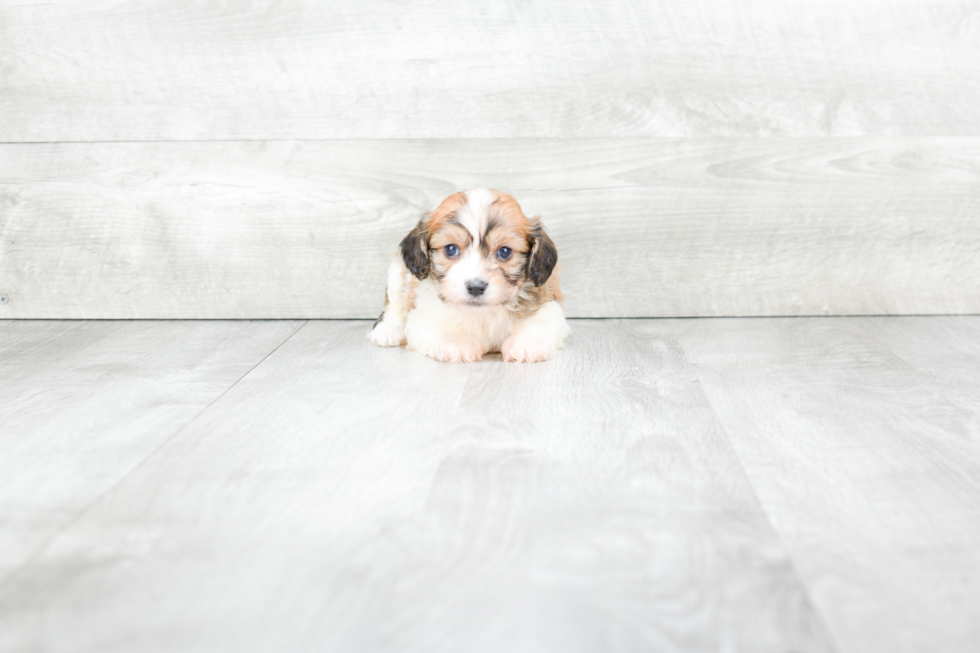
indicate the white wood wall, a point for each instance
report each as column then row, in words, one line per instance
column 255, row 159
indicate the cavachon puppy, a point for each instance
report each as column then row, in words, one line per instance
column 475, row 276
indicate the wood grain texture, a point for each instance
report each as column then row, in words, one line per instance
column 862, row 440
column 645, row 227
column 85, row 403
column 343, row 497
column 947, row 350
column 182, row 70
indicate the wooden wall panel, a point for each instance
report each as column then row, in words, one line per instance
column 182, row 70
column 645, row 227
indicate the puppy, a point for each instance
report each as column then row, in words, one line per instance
column 475, row 276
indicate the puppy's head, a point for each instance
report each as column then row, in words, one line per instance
column 480, row 249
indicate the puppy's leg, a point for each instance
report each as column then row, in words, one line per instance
column 389, row 329
column 443, row 344
column 437, row 331
column 439, row 340
column 538, row 337
column 455, row 349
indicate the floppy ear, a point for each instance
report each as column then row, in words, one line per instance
column 543, row 257
column 415, row 250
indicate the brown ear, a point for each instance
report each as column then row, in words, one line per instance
column 415, row 250
column 543, row 257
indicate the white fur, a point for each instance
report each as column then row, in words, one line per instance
column 390, row 331
column 457, row 334
column 447, row 328
column 473, row 215
column 470, row 266
column 438, row 329
column 538, row 337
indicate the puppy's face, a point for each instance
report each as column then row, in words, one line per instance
column 480, row 249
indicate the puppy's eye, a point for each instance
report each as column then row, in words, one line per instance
column 451, row 251
column 504, row 253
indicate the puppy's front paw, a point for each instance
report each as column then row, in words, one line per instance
column 527, row 349
column 457, row 350
column 387, row 334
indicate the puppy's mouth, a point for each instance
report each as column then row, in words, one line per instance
column 477, row 309
column 473, row 303
column 476, row 305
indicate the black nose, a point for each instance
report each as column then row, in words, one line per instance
column 476, row 287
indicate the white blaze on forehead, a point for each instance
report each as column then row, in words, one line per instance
column 473, row 216
column 469, row 266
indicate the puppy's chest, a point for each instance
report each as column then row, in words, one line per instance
column 491, row 327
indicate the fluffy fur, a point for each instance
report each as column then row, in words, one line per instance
column 475, row 276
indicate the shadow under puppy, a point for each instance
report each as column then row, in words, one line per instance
column 475, row 276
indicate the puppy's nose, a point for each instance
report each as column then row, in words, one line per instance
column 476, row 287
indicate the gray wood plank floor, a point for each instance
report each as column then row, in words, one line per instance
column 87, row 402
column 863, row 444
column 663, row 485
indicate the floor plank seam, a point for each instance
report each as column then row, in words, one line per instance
column 95, row 502
column 818, row 616
column 919, row 369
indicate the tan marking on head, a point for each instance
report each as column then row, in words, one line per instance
column 450, row 234
column 507, row 222
column 446, row 211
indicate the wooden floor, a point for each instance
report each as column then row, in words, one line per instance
column 783, row 485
